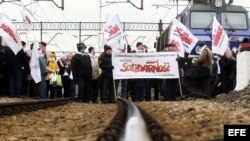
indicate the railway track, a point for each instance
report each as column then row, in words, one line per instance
column 11, row 108
column 133, row 124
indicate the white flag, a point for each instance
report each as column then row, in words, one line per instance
column 113, row 34
column 26, row 20
column 182, row 38
column 9, row 34
column 34, row 63
column 219, row 38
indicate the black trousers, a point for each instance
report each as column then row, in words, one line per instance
column 170, row 89
column 94, row 90
column 137, row 93
column 108, row 90
column 84, row 90
column 225, row 82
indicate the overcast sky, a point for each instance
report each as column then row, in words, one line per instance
column 89, row 11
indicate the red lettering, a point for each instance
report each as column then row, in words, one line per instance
column 27, row 20
column 8, row 30
column 113, row 30
column 151, row 68
column 217, row 36
column 177, row 46
column 184, row 36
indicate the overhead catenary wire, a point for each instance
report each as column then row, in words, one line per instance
column 153, row 34
column 68, row 19
column 152, row 20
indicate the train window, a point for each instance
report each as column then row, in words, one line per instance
column 201, row 19
column 234, row 20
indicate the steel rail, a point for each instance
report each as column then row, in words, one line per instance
column 133, row 124
column 11, row 108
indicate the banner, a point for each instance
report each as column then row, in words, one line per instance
column 145, row 65
column 219, row 38
column 26, row 20
column 9, row 34
column 113, row 34
column 34, row 63
column 182, row 38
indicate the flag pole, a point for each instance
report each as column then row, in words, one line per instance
column 115, row 90
column 180, row 88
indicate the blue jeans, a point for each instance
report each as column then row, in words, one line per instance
column 42, row 87
column 15, row 86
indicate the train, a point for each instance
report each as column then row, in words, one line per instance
column 198, row 18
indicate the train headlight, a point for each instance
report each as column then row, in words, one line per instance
column 218, row 3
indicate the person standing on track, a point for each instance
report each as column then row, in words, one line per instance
column 82, row 72
column 105, row 63
column 95, row 75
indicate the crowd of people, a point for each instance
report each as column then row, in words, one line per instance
column 89, row 77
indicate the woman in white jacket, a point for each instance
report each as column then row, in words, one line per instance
column 95, row 69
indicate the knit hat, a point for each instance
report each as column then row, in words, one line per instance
column 81, row 45
column 138, row 44
column 107, row 48
column 90, row 49
column 201, row 44
column 43, row 43
column 23, row 43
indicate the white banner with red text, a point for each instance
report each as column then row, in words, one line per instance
column 34, row 63
column 219, row 38
column 113, row 34
column 9, row 34
column 182, row 38
column 26, row 20
column 145, row 65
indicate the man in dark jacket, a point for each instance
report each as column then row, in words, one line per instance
column 15, row 64
column 4, row 76
column 107, row 76
column 82, row 72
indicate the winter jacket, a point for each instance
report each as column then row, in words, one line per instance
column 52, row 66
column 105, row 64
column 205, row 59
column 81, row 66
column 95, row 66
column 17, row 61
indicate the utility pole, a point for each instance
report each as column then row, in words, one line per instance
column 80, row 31
column 177, row 6
column 41, row 31
column 160, row 26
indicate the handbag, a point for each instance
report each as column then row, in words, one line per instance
column 58, row 82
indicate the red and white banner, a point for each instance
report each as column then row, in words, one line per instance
column 9, row 34
column 219, row 38
column 113, row 34
column 182, row 38
column 34, row 63
column 26, row 20
column 145, row 65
